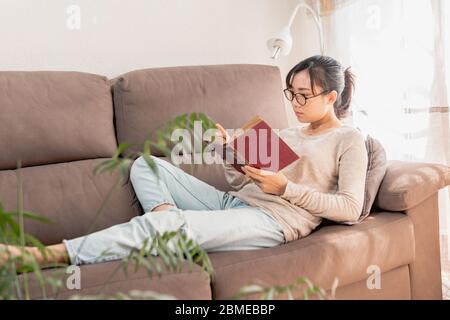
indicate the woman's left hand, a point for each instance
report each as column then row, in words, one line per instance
column 267, row 181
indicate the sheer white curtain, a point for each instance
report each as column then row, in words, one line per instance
column 400, row 52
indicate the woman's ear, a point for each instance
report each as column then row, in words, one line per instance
column 331, row 97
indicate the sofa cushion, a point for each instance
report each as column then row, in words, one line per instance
column 69, row 195
column 99, row 279
column 384, row 239
column 376, row 169
column 51, row 116
column 230, row 94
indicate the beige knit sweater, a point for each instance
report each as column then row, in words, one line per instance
column 326, row 182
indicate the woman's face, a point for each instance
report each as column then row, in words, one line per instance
column 315, row 108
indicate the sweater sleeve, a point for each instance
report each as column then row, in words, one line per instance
column 345, row 205
column 234, row 178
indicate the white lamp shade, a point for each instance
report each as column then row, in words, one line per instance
column 282, row 42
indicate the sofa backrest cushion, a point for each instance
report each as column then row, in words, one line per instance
column 144, row 100
column 376, row 169
column 54, row 116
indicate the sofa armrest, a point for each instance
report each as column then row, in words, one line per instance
column 407, row 184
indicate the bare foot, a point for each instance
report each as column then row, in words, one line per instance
column 4, row 254
column 163, row 207
column 10, row 253
column 25, row 255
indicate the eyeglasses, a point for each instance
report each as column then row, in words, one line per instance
column 301, row 98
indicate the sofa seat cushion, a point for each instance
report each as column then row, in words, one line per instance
column 69, row 195
column 384, row 239
column 109, row 278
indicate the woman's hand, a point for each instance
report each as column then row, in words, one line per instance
column 268, row 181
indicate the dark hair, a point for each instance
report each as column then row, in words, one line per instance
column 328, row 73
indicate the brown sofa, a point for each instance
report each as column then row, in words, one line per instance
column 62, row 124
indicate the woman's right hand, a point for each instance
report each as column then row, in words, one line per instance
column 222, row 135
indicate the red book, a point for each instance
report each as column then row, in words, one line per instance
column 257, row 145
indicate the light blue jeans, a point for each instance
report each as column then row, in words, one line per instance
column 216, row 220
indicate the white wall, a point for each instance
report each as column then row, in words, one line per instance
column 116, row 36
